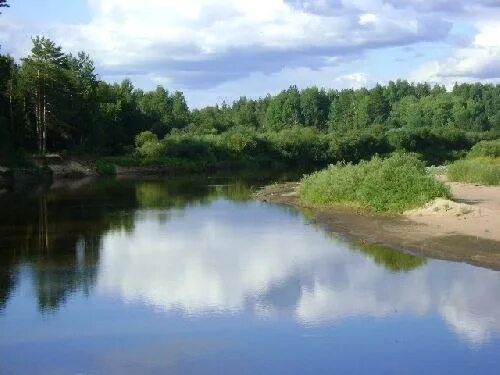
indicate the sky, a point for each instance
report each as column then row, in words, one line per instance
column 219, row 50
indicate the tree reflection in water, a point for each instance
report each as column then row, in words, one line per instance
column 58, row 232
column 199, row 245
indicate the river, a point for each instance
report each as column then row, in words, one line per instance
column 190, row 275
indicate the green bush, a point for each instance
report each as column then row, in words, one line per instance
column 479, row 170
column 489, row 149
column 105, row 168
column 357, row 146
column 145, row 137
column 303, row 146
column 148, row 146
column 187, row 147
column 436, row 145
column 151, row 149
column 395, row 184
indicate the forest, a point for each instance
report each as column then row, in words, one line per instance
column 54, row 102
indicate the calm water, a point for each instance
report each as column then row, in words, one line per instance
column 190, row 276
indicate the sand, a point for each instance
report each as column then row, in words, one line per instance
column 474, row 211
column 465, row 229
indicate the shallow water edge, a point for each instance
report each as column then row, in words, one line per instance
column 392, row 231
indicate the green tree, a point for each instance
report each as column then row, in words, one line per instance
column 180, row 111
column 157, row 107
column 314, row 105
column 44, row 76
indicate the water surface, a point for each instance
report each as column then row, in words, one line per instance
column 188, row 275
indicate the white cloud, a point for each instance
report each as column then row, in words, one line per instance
column 220, row 40
column 259, row 84
column 478, row 61
column 204, row 45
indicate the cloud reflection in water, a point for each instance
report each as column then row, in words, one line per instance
column 219, row 259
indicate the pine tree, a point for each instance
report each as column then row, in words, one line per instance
column 44, row 78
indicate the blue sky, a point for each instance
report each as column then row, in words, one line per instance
column 216, row 50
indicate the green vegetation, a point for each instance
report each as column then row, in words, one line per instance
column 395, row 184
column 481, row 166
column 392, row 259
column 477, row 170
column 51, row 101
column 105, row 168
column 489, row 149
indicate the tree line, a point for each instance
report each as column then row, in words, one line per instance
column 51, row 101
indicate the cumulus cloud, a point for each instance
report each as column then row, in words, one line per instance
column 197, row 45
column 202, row 43
column 477, row 61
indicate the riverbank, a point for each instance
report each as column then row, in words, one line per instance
column 462, row 229
column 56, row 167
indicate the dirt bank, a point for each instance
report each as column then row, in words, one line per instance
column 63, row 168
column 466, row 229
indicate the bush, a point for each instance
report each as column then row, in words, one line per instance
column 187, row 147
column 391, row 185
column 151, row 149
column 355, row 147
column 303, row 146
column 145, row 137
column 489, row 149
column 436, row 145
column 479, row 170
column 105, row 168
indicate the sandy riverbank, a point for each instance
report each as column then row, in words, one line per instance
column 465, row 229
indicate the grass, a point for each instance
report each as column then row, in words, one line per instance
column 392, row 185
column 490, row 149
column 482, row 170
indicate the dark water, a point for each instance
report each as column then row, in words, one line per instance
column 190, row 276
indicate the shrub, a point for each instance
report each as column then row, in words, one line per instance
column 355, row 147
column 304, row 146
column 105, row 168
column 188, row 147
column 391, row 185
column 479, row 170
column 437, row 145
column 145, row 137
column 151, row 149
column 489, row 149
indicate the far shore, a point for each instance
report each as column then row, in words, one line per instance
column 464, row 229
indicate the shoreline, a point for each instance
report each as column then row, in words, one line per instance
column 468, row 237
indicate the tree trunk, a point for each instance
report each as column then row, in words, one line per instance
column 44, row 125
column 11, row 112
column 38, row 114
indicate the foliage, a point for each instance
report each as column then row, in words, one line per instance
column 145, row 137
column 480, row 170
column 53, row 101
column 395, row 184
column 489, row 149
column 105, row 168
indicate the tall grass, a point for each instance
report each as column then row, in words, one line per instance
column 489, row 149
column 395, row 184
column 481, row 170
